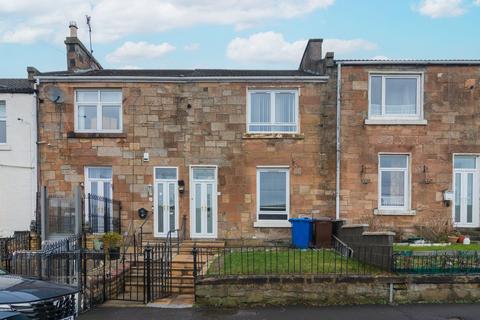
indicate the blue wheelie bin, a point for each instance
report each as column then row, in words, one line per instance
column 301, row 232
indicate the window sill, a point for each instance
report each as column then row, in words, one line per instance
column 272, row 224
column 295, row 136
column 96, row 135
column 413, row 122
column 386, row 212
column 5, row 147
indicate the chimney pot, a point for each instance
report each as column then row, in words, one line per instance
column 73, row 29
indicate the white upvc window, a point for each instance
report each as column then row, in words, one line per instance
column 395, row 96
column 3, row 122
column 273, row 194
column 272, row 111
column 394, row 182
column 98, row 110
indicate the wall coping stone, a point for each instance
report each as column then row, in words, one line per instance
column 378, row 233
column 360, row 225
column 395, row 279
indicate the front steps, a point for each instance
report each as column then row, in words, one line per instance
column 182, row 280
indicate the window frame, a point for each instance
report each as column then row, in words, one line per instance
column 99, row 104
column 407, row 187
column 396, row 75
column 4, row 118
column 273, row 222
column 272, row 93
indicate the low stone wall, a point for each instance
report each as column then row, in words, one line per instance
column 330, row 290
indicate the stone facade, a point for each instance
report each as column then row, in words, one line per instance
column 451, row 102
column 330, row 290
column 183, row 124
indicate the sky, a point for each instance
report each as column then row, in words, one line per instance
column 236, row 34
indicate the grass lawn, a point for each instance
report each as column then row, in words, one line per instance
column 286, row 261
column 452, row 247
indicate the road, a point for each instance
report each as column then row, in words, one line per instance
column 404, row 312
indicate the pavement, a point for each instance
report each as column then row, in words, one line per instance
column 375, row 312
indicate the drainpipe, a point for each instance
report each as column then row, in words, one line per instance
column 339, row 101
column 36, row 86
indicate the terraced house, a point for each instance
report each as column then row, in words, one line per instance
column 410, row 143
column 219, row 154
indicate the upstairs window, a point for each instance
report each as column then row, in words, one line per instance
column 98, row 110
column 3, row 122
column 395, row 96
column 272, row 111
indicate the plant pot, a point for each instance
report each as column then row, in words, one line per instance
column 114, row 253
column 452, row 239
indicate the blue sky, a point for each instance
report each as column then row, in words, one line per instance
column 268, row 34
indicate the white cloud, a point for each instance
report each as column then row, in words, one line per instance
column 114, row 19
column 477, row 2
column 271, row 47
column 442, row 8
column 132, row 51
column 23, row 35
column 265, row 47
column 194, row 46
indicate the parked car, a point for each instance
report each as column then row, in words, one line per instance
column 12, row 315
column 35, row 299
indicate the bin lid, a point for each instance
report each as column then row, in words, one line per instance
column 303, row 219
column 323, row 219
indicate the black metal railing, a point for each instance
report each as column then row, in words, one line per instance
column 437, row 262
column 21, row 240
column 283, row 260
column 103, row 214
column 60, row 215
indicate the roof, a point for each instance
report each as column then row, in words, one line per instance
column 15, row 86
column 410, row 61
column 190, row 73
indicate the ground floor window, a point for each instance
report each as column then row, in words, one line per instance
column 394, row 182
column 273, row 194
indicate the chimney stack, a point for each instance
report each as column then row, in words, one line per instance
column 312, row 61
column 73, row 29
column 79, row 58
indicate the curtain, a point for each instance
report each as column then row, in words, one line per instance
column 273, row 191
column 260, row 110
column 400, row 96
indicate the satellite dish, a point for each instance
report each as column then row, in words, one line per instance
column 55, row 94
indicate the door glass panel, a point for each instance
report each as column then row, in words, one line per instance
column 469, row 197
column 166, row 173
column 107, row 206
column 171, row 205
column 464, row 162
column 458, row 192
column 209, row 208
column 204, row 173
column 198, row 208
column 161, row 213
column 99, row 173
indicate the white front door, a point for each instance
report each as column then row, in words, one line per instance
column 165, row 201
column 203, row 202
column 466, row 191
column 98, row 188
